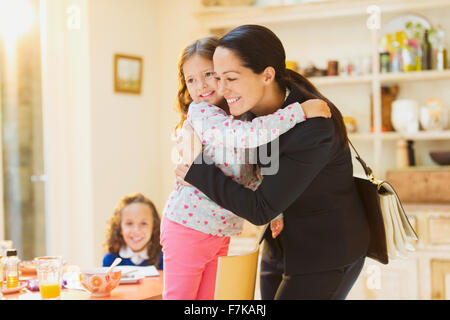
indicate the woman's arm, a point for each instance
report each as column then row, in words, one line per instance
column 215, row 127
column 299, row 164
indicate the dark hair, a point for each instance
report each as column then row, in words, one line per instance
column 204, row 47
column 114, row 238
column 258, row 48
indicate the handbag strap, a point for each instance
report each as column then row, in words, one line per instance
column 368, row 171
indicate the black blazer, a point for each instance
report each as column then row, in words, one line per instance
column 324, row 221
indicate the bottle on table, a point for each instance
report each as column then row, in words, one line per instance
column 12, row 269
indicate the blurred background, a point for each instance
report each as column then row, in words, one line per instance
column 87, row 94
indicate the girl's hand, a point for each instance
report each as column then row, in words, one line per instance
column 190, row 145
column 276, row 226
column 316, row 108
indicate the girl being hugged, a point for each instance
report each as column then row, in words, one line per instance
column 133, row 233
column 195, row 231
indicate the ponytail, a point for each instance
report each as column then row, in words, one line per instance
column 309, row 91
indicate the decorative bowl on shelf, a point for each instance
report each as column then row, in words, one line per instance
column 350, row 124
column 441, row 157
column 293, row 65
column 405, row 115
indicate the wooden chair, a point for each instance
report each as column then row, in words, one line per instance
column 236, row 276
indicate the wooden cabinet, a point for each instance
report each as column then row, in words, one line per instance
column 440, row 279
column 425, row 274
column 398, row 280
column 439, row 230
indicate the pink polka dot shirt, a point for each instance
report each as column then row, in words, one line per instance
column 228, row 142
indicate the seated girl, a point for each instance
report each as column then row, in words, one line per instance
column 133, row 233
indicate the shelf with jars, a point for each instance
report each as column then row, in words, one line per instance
column 396, row 77
column 393, row 43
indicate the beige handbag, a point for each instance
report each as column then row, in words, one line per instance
column 399, row 231
column 390, row 231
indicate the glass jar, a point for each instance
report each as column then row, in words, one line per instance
column 12, row 269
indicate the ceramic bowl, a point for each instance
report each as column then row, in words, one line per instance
column 441, row 157
column 405, row 115
column 98, row 282
column 28, row 268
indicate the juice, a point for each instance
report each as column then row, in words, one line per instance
column 50, row 290
column 12, row 282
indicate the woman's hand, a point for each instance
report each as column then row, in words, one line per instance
column 180, row 172
column 276, row 226
column 316, row 108
column 189, row 147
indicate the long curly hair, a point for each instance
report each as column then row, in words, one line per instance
column 114, row 238
column 204, row 47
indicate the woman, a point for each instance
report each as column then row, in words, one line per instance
column 321, row 250
column 195, row 231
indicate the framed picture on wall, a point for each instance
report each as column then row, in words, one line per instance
column 127, row 74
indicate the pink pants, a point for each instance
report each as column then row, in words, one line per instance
column 190, row 261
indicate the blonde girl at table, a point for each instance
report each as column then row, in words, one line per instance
column 195, row 231
column 133, row 233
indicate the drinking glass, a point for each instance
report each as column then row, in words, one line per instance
column 49, row 271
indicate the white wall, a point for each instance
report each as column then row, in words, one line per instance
column 125, row 127
column 178, row 28
column 67, row 133
column 101, row 145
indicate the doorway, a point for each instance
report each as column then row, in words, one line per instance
column 22, row 160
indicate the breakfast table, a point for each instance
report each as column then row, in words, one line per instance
column 149, row 288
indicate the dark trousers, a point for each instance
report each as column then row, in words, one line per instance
column 326, row 285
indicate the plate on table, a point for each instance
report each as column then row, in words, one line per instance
column 133, row 274
column 130, row 279
column 22, row 284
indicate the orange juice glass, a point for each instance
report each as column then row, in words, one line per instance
column 50, row 290
column 49, row 271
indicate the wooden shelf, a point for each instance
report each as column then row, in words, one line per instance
column 341, row 80
column 228, row 17
column 421, row 135
column 428, row 135
column 384, row 78
column 371, row 136
column 415, row 76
